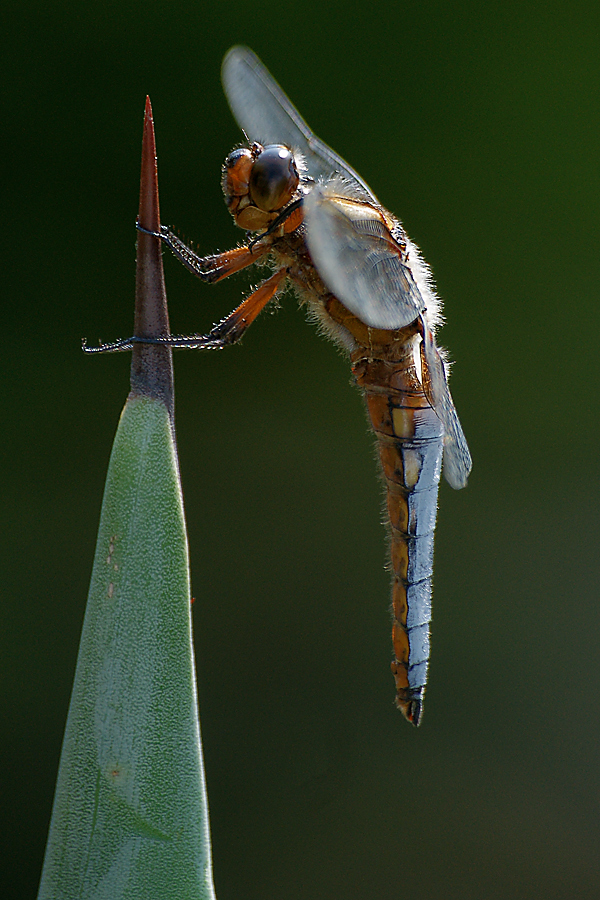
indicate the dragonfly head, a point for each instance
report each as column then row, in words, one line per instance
column 258, row 182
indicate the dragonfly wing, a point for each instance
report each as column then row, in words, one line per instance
column 457, row 459
column 263, row 111
column 358, row 258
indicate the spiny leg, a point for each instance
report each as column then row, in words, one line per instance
column 209, row 268
column 235, row 325
column 286, row 216
column 228, row 331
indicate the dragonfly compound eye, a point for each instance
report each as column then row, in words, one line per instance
column 274, row 178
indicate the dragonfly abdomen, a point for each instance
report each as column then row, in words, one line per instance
column 410, row 441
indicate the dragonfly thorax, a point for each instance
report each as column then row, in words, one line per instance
column 258, row 182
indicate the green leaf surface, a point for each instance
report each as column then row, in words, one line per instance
column 130, row 817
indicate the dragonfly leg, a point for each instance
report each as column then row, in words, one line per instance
column 228, row 331
column 234, row 326
column 186, row 342
column 281, row 218
column 207, row 268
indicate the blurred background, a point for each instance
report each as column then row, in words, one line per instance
column 477, row 124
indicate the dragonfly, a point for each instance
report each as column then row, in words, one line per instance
column 312, row 218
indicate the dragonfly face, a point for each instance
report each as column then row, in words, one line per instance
column 258, row 183
column 367, row 285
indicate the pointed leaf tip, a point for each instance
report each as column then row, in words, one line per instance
column 151, row 364
column 149, row 213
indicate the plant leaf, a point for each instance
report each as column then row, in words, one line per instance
column 130, row 816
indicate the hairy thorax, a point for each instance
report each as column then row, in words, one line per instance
column 359, row 340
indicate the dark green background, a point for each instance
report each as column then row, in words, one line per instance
column 477, row 123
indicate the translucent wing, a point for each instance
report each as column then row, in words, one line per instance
column 263, row 111
column 358, row 258
column 457, row 459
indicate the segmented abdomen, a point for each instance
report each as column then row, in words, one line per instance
column 410, row 438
